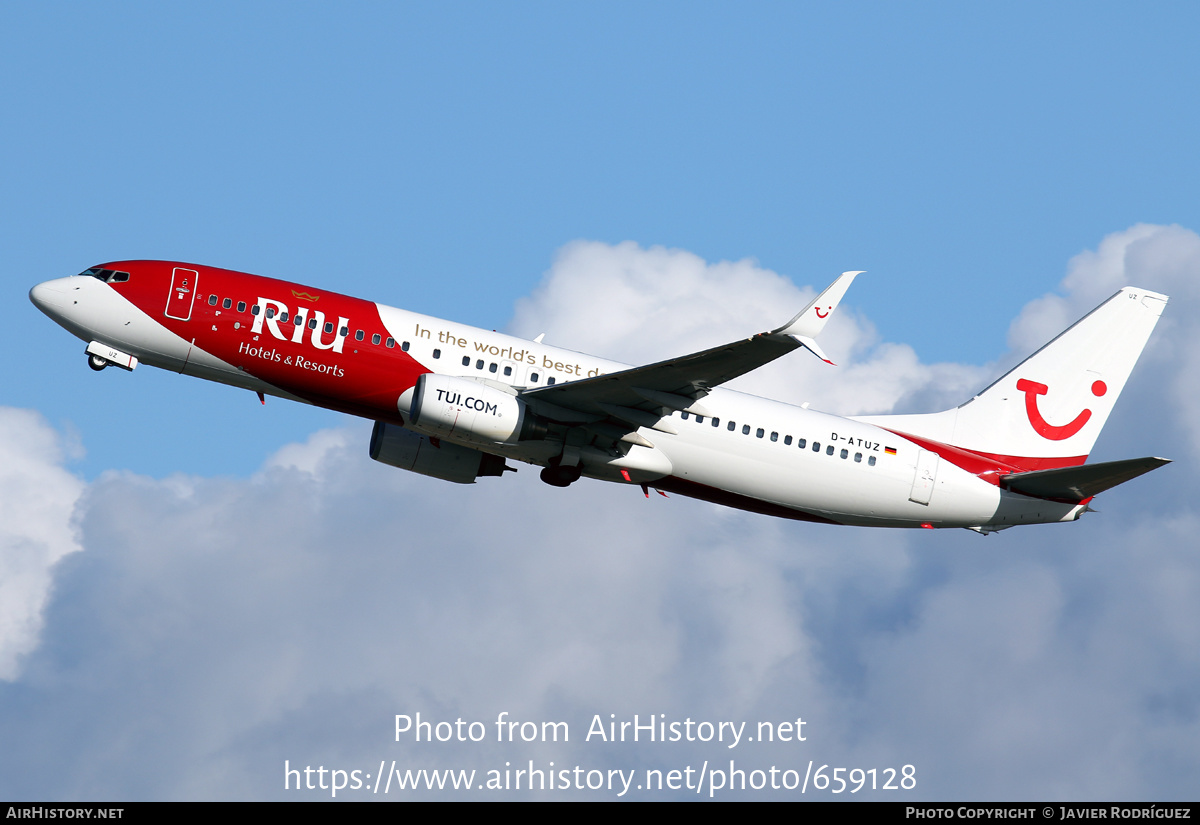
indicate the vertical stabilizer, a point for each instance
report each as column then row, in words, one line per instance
column 1048, row 411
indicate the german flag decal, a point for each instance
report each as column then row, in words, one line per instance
column 890, row 450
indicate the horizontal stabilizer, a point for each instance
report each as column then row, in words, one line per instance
column 1079, row 483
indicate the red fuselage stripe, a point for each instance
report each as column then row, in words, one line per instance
column 990, row 466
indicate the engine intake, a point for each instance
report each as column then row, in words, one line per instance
column 450, row 407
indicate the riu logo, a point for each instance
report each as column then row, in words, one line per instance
column 271, row 314
column 1033, row 389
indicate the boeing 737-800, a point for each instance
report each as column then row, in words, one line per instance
column 458, row 403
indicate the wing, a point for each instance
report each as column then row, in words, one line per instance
column 618, row 403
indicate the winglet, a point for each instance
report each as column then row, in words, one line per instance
column 809, row 322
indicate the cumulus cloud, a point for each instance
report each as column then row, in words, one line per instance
column 641, row 305
column 215, row 628
column 37, row 496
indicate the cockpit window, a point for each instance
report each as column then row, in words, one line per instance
column 107, row 275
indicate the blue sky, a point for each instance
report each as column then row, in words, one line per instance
column 436, row 157
column 455, row 158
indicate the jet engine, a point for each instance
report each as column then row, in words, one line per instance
column 465, row 410
column 407, row 450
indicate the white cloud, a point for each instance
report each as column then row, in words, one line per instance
column 309, row 456
column 217, row 627
column 642, row 305
column 37, row 497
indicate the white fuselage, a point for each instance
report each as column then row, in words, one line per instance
column 747, row 451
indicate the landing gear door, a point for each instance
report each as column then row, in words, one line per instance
column 925, row 478
column 183, row 291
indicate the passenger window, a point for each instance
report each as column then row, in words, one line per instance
column 550, row 381
column 533, row 378
column 479, row 364
column 731, row 426
column 845, row 453
column 466, row 360
column 254, row 310
column 376, row 338
column 404, row 346
column 312, row 323
column 492, row 367
column 858, row 458
column 507, row 370
column 390, row 342
column 699, row 419
column 871, row 461
column 437, row 353
column 344, row 331
column 684, row 415
column 816, row 446
column 774, row 436
column 328, row 327
column 298, row 319
column 760, row 432
column 745, row 429
column 802, row 443
column 829, row 450
column 283, row 316
column 359, row 335
column 787, row 439
column 270, row 312
column 212, row 300
column 241, row 306
column 227, row 303
column 716, row 422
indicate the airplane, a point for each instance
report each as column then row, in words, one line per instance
column 457, row 403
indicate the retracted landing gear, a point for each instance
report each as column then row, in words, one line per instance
column 561, row 476
column 565, row 469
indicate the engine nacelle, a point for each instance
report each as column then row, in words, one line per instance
column 450, row 407
column 407, row 450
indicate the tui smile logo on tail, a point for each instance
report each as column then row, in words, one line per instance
column 1033, row 389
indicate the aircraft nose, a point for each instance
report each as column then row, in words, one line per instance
column 49, row 296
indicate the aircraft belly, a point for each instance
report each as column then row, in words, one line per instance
column 1015, row 508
